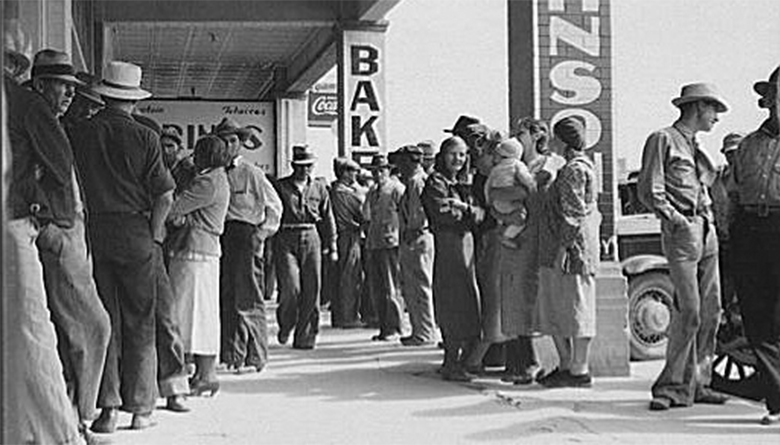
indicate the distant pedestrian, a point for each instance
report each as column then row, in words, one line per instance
column 673, row 183
column 307, row 230
column 755, row 240
column 381, row 212
column 347, row 201
column 416, row 250
column 428, row 155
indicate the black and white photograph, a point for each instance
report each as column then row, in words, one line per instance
column 390, row 222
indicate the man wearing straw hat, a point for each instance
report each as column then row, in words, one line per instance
column 38, row 409
column 129, row 192
column 307, row 233
column 673, row 183
column 756, row 241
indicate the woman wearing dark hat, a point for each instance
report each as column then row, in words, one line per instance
column 452, row 216
column 567, row 294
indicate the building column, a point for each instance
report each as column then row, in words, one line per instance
column 361, row 90
column 291, row 122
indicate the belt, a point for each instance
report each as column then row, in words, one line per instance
column 760, row 210
column 301, row 226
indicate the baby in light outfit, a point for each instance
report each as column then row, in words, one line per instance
column 509, row 172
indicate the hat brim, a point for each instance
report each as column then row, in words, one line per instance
column 91, row 96
column 722, row 107
column 304, row 161
column 122, row 93
column 64, row 77
column 242, row 133
column 729, row 148
column 762, row 87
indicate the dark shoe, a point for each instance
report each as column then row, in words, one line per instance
column 456, row 375
column 710, row 397
column 247, row 369
column 578, row 381
column 142, row 421
column 283, row 337
column 660, row 404
column 91, row 438
column 553, row 379
column 199, row 388
column 106, row 421
column 474, row 370
column 414, row 341
column 525, row 377
column 771, row 419
column 175, row 404
column 304, row 346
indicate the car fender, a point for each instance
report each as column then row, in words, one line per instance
column 639, row 264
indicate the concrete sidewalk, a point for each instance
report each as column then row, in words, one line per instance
column 354, row 391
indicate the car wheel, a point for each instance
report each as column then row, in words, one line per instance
column 650, row 298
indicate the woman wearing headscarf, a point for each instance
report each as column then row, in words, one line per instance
column 194, row 266
column 452, row 216
column 569, row 259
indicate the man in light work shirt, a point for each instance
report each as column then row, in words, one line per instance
column 307, row 233
column 347, row 202
column 253, row 215
column 755, row 238
column 416, row 248
column 673, row 183
column 381, row 210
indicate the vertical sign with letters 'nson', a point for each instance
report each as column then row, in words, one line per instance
column 362, row 93
column 575, row 79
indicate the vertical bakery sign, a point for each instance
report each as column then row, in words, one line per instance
column 362, row 101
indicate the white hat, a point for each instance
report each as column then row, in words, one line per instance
column 700, row 91
column 122, row 80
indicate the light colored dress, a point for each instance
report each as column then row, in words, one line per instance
column 194, row 267
column 567, row 294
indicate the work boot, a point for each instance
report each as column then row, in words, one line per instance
column 106, row 421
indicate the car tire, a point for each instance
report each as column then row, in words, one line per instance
column 650, row 298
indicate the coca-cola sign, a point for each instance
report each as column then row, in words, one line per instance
column 323, row 109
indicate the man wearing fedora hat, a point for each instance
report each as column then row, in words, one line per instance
column 673, row 182
column 39, row 183
column 307, row 233
column 82, row 322
column 755, row 237
column 253, row 216
column 416, row 248
column 381, row 212
column 130, row 192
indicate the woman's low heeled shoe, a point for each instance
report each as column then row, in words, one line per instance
column 200, row 388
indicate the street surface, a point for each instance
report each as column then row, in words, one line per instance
column 351, row 390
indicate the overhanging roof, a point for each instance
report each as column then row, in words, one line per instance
column 229, row 49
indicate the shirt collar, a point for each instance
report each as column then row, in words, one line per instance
column 686, row 132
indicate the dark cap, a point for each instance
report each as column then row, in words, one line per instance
column 762, row 87
column 379, row 161
column 461, row 124
column 86, row 89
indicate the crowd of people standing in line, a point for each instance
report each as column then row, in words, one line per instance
column 494, row 240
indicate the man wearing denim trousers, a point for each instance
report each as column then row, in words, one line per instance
column 673, row 182
column 82, row 323
column 38, row 409
column 307, row 233
column 252, row 217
